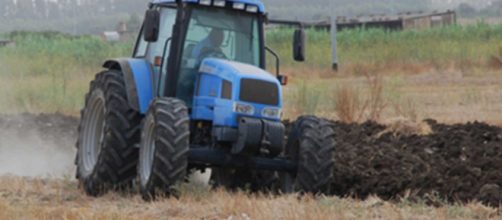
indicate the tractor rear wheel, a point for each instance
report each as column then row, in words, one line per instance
column 165, row 142
column 311, row 144
column 109, row 128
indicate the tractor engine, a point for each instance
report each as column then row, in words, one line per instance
column 243, row 103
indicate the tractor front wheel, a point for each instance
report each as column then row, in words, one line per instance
column 311, row 144
column 164, row 148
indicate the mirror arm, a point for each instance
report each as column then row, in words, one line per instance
column 277, row 60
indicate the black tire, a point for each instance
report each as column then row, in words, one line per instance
column 164, row 148
column 311, row 144
column 109, row 129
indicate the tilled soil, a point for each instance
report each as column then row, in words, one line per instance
column 455, row 163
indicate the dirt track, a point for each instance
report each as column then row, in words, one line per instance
column 457, row 163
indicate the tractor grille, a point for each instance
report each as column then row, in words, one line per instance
column 260, row 92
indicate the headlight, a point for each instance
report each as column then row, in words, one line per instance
column 271, row 112
column 243, row 109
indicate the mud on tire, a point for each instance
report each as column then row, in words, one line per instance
column 164, row 148
column 311, row 145
column 109, row 128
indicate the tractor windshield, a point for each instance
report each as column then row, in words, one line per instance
column 219, row 33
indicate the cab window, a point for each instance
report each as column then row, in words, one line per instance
column 217, row 33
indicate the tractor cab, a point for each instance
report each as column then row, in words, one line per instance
column 211, row 55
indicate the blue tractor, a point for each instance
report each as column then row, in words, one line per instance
column 195, row 95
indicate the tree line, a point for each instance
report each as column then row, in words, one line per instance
column 94, row 16
column 318, row 9
column 50, row 9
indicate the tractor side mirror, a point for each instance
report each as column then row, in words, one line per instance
column 151, row 25
column 299, row 45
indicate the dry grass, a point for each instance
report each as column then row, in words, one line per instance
column 495, row 61
column 376, row 102
column 403, row 126
column 349, row 106
column 40, row 94
column 450, row 96
column 22, row 198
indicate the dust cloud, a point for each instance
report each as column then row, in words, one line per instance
column 30, row 155
column 32, row 147
column 44, row 146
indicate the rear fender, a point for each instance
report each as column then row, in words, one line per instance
column 138, row 76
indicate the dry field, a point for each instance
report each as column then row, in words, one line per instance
column 448, row 96
column 25, row 198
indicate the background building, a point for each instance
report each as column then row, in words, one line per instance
column 401, row 21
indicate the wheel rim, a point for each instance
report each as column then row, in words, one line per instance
column 93, row 134
column 147, row 150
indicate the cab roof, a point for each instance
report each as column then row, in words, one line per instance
column 261, row 6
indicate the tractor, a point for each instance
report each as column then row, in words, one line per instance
column 196, row 95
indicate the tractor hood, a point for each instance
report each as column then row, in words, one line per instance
column 229, row 90
column 234, row 71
